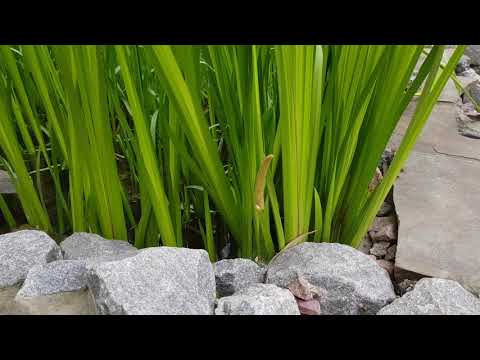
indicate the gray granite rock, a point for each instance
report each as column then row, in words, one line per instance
column 55, row 277
column 82, row 246
column 349, row 281
column 432, row 296
column 90, row 262
column 21, row 250
column 232, row 275
column 259, row 299
column 162, row 281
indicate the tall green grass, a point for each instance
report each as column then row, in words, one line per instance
column 193, row 145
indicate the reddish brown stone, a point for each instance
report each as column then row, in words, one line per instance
column 302, row 289
column 308, row 307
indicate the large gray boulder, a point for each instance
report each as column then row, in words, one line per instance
column 259, row 299
column 21, row 250
column 432, row 296
column 232, row 275
column 156, row 281
column 54, row 277
column 83, row 246
column 348, row 281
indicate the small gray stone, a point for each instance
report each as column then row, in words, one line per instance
column 232, row 275
column 379, row 249
column 259, row 299
column 82, row 246
column 156, row 281
column 365, row 245
column 384, row 229
column 405, row 286
column 433, row 296
column 391, row 252
column 348, row 281
column 21, row 250
column 54, row 277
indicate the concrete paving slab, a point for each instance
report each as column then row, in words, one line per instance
column 450, row 92
column 66, row 303
column 6, row 185
column 437, row 199
column 440, row 133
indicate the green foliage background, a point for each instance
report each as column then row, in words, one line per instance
column 162, row 144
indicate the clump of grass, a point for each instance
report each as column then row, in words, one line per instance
column 278, row 144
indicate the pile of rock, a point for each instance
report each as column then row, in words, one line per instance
column 380, row 242
column 468, row 115
column 87, row 274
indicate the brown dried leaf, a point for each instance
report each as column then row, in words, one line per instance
column 377, row 178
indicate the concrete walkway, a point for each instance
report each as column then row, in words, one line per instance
column 437, row 199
